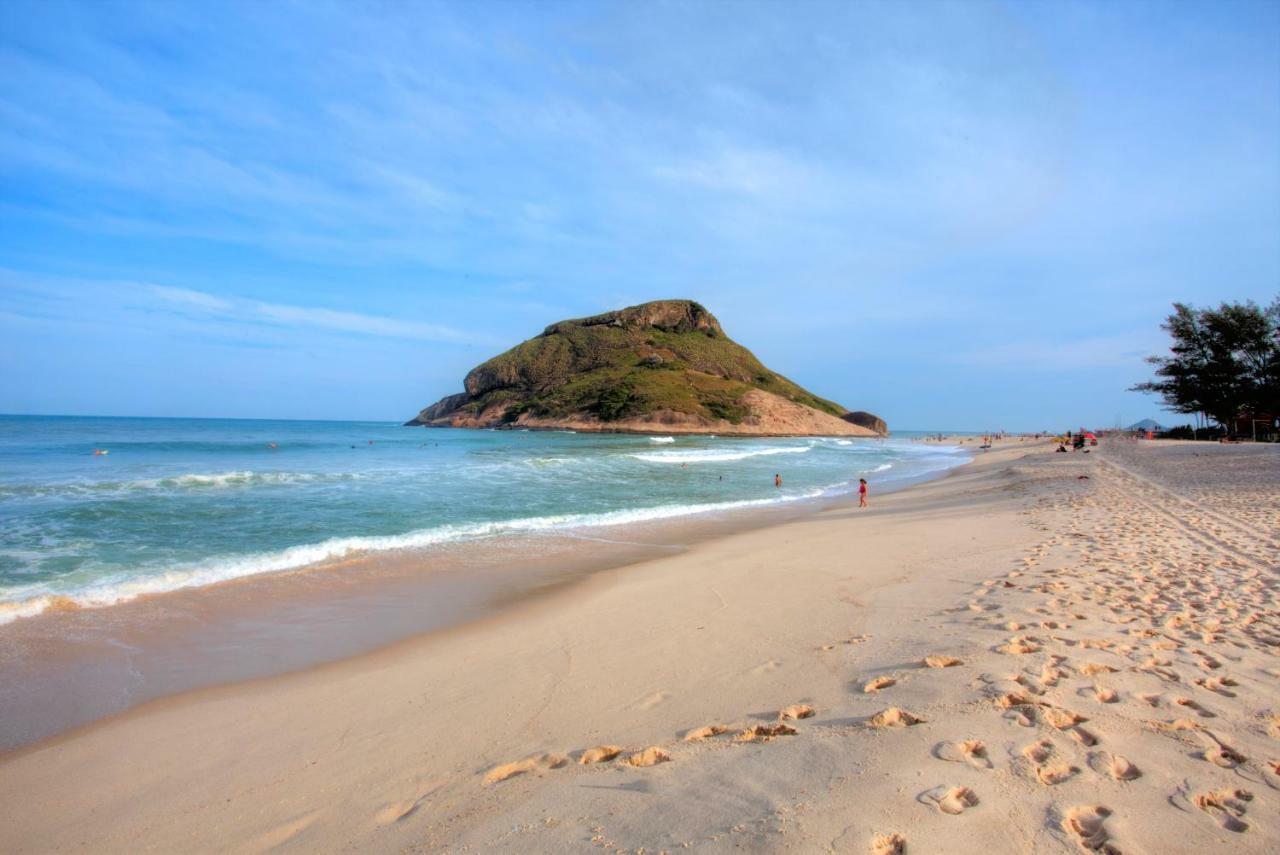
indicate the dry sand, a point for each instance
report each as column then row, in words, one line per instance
column 1039, row 653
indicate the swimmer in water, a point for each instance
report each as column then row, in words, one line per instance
column 777, row 480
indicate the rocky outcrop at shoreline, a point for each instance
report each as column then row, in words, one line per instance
column 867, row 420
column 660, row 367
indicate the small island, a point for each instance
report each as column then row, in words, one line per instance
column 660, row 367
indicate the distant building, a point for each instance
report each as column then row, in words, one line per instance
column 1264, row 427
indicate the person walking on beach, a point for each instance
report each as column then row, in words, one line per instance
column 862, row 492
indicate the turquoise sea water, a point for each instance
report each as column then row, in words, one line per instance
column 181, row 502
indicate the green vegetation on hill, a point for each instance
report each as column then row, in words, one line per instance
column 668, row 355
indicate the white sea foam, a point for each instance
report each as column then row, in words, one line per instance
column 718, row 456
column 29, row 600
column 662, row 439
column 189, row 481
column 227, row 479
column 883, row 467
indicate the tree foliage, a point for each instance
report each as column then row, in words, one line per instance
column 1224, row 362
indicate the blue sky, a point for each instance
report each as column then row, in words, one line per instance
column 956, row 215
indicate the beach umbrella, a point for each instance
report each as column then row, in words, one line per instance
column 1090, row 435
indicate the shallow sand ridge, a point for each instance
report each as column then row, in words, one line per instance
column 1039, row 653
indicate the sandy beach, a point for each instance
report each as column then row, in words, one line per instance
column 1040, row 652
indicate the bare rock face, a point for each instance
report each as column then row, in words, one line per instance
column 439, row 409
column 662, row 366
column 867, row 420
column 676, row 316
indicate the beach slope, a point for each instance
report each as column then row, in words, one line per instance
column 1040, row 652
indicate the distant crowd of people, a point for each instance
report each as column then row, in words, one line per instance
column 1078, row 441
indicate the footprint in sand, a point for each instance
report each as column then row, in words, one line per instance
column 888, row 844
column 1217, row 685
column 1023, row 716
column 1086, row 825
column 1114, row 766
column 281, row 834
column 1084, row 737
column 1039, row 751
column 1089, row 669
column 648, row 702
column 1195, row 707
column 396, row 811
column 1219, row 753
column 599, row 754
column 795, row 711
column 1105, row 695
column 532, row 763
column 971, row 751
column 1062, row 719
column 956, row 800
column 649, row 757
column 873, row 686
column 1051, row 775
column 1151, row 699
column 1026, row 684
column 1176, row 725
column 894, row 717
column 1010, row 700
column 1225, row 806
column 700, row 733
column 764, row 732
column 939, row 660
column 766, row 667
column 1019, row 645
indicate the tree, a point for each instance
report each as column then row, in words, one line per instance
column 1224, row 362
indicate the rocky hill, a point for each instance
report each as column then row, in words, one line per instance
column 867, row 420
column 665, row 367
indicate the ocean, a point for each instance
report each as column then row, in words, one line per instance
column 180, row 503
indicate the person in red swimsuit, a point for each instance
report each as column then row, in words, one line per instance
column 862, row 492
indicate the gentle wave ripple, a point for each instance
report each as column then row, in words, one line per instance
column 181, row 503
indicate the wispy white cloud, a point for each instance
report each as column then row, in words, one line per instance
column 151, row 305
column 355, row 322
column 753, row 172
column 187, row 297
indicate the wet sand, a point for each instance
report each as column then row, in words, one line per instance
column 1014, row 658
column 68, row 668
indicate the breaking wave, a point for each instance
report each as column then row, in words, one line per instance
column 708, row 456
column 26, row 601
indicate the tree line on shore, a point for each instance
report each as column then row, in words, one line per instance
column 1224, row 363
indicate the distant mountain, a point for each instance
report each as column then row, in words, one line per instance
column 665, row 366
column 1146, row 424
